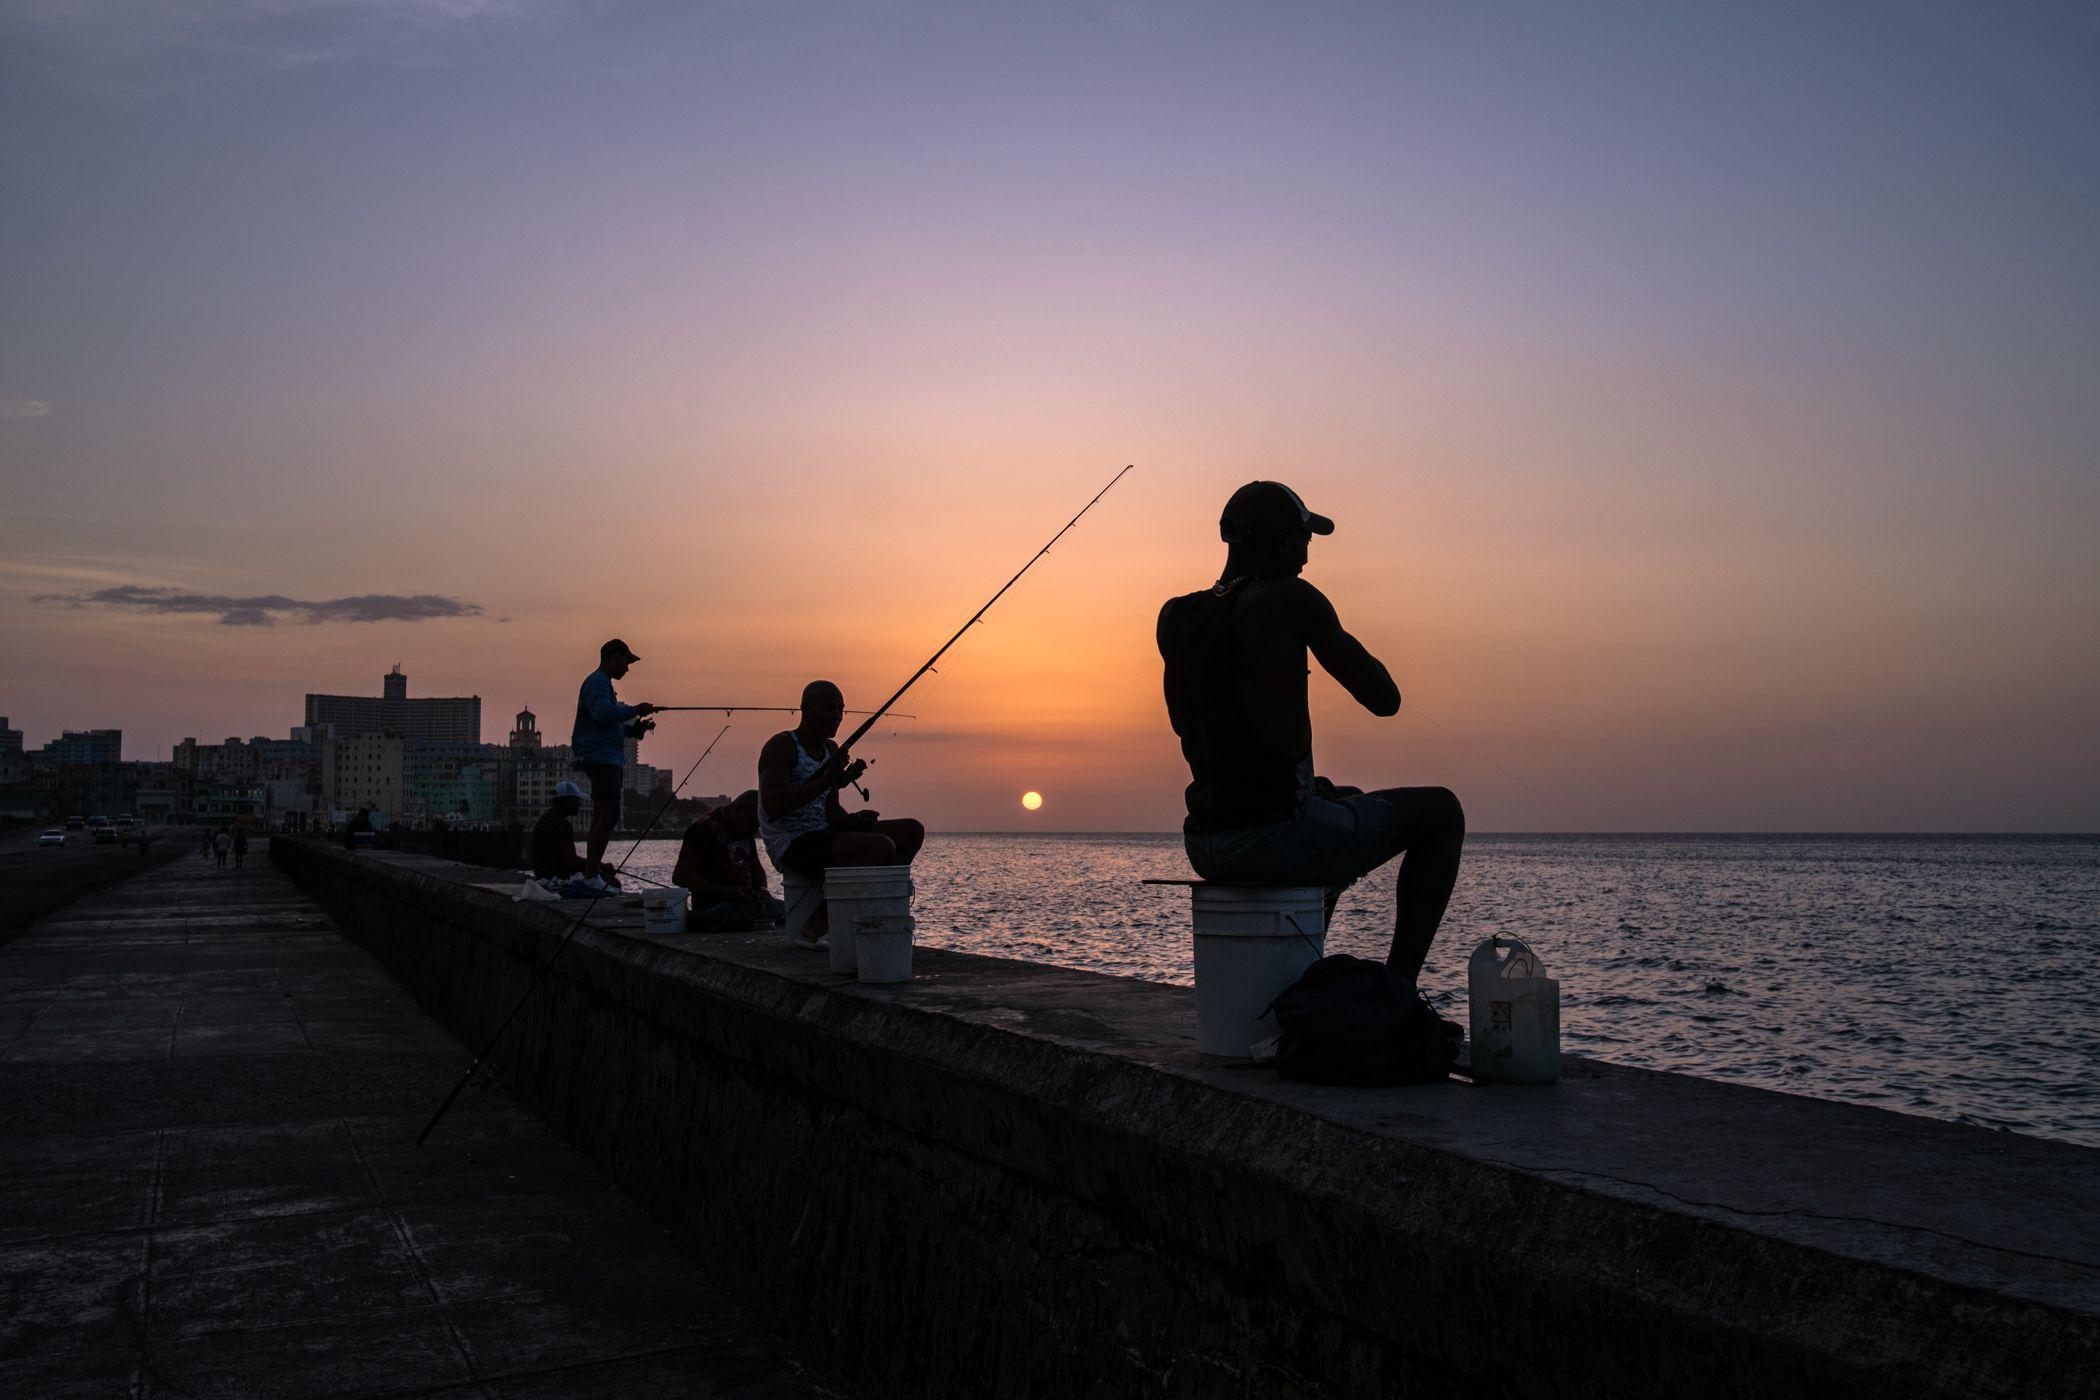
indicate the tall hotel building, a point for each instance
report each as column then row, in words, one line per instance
column 456, row 718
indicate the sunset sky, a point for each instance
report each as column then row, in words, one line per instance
column 1708, row 397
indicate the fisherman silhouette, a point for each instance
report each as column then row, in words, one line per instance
column 1236, row 692
column 801, row 822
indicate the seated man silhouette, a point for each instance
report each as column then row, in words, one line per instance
column 800, row 772
column 1236, row 673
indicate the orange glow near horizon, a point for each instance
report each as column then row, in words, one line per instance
column 1669, row 501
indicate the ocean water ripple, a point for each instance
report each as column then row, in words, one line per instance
column 1953, row 977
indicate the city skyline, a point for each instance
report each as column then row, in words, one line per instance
column 1704, row 400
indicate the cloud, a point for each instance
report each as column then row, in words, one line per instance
column 147, row 46
column 264, row 611
column 18, row 407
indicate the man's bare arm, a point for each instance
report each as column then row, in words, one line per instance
column 1340, row 655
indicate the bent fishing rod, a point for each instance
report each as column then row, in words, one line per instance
column 466, row 1078
column 869, row 722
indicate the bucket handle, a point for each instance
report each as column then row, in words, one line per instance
column 1306, row 938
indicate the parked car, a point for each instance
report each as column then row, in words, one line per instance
column 52, row 837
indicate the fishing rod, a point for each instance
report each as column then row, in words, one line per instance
column 869, row 722
column 755, row 709
column 464, row 1079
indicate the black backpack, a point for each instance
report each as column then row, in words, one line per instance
column 1353, row 1021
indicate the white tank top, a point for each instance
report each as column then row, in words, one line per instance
column 780, row 833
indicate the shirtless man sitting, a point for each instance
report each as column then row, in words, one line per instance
column 1236, row 692
column 800, row 773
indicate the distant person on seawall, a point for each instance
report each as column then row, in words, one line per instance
column 799, row 816
column 553, row 843
column 597, row 743
column 718, row 865
column 1236, row 674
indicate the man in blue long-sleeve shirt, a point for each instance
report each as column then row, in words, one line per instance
column 597, row 744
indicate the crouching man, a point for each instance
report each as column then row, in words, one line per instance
column 718, row 863
column 554, row 840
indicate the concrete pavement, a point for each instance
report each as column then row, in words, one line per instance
column 208, row 1183
column 34, row 880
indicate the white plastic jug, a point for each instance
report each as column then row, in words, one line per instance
column 663, row 911
column 1515, row 1014
column 853, row 893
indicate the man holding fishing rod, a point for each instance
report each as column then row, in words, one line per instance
column 800, row 772
column 597, row 743
column 1236, row 692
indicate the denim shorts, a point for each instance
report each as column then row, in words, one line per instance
column 1332, row 842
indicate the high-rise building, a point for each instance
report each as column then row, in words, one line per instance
column 85, row 746
column 456, row 718
column 14, row 764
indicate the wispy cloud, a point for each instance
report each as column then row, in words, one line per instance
column 18, row 407
column 267, row 609
column 142, row 46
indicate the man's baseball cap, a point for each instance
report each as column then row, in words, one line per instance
column 1264, row 507
column 569, row 790
column 616, row 650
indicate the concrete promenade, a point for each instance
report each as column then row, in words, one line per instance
column 209, row 1185
column 1013, row 1179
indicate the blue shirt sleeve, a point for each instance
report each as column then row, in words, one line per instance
column 599, row 701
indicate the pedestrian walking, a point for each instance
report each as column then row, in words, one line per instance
column 240, row 845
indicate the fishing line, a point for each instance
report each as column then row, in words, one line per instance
column 1410, row 707
column 869, row 723
column 464, row 1079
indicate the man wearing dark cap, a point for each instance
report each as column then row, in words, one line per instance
column 1236, row 692
column 598, row 743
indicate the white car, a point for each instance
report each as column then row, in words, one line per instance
column 53, row 836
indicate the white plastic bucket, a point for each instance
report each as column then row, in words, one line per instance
column 799, row 898
column 854, row 893
column 882, row 947
column 1252, row 941
column 663, row 911
column 1515, row 1014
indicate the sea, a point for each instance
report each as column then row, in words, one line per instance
column 1956, row 977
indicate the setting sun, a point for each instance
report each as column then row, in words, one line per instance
column 1031, row 800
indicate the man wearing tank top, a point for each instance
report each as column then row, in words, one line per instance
column 1236, row 674
column 800, row 820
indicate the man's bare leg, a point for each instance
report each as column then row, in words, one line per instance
column 906, row 837
column 604, row 817
column 1429, row 832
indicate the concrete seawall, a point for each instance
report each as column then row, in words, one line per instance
column 1013, row 1179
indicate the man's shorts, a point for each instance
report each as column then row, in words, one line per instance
column 1332, row 842
column 606, row 782
column 808, row 854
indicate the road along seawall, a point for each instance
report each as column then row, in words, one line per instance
column 1011, row 1179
